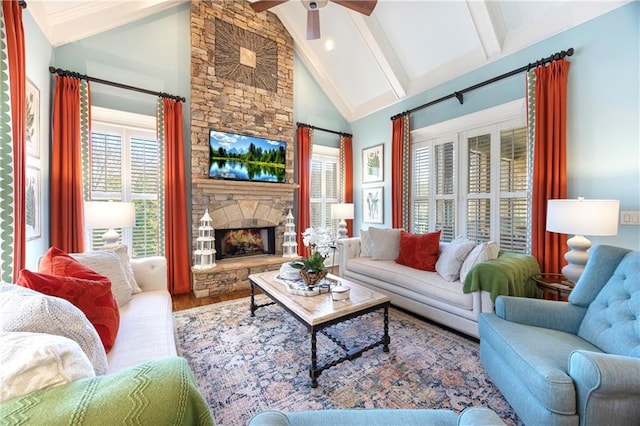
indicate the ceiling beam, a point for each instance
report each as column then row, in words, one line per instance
column 489, row 26
column 382, row 52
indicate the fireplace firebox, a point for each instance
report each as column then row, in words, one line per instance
column 242, row 242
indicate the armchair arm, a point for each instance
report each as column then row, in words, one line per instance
column 607, row 387
column 551, row 314
column 348, row 248
column 150, row 272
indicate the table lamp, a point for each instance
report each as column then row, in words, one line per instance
column 581, row 217
column 109, row 214
column 342, row 211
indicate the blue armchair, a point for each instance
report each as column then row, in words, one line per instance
column 575, row 362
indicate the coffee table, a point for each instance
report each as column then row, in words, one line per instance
column 320, row 312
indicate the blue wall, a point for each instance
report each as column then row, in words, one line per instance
column 603, row 110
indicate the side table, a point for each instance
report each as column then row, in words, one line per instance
column 554, row 283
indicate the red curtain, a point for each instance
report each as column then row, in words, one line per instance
column 550, row 157
column 17, row 74
column 347, row 155
column 399, row 169
column 67, row 218
column 175, row 211
column 303, row 135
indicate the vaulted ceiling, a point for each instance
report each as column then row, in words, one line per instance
column 403, row 48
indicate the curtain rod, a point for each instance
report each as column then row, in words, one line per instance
column 66, row 73
column 460, row 94
column 299, row 124
column 22, row 3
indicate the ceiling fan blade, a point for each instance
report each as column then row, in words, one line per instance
column 262, row 5
column 313, row 24
column 361, row 6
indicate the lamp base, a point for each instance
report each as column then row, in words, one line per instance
column 110, row 239
column 576, row 257
column 342, row 229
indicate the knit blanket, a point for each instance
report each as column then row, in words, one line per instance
column 509, row 275
column 158, row 392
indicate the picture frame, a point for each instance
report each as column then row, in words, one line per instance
column 373, row 204
column 373, row 164
column 33, row 203
column 32, row 139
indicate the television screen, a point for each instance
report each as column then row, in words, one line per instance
column 241, row 157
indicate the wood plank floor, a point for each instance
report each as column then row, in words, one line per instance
column 187, row 301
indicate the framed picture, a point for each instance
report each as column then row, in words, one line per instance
column 33, row 203
column 33, row 120
column 373, row 204
column 373, row 164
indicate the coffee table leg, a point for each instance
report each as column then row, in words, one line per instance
column 313, row 372
column 385, row 339
column 253, row 302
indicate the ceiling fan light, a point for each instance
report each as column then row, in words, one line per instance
column 329, row 45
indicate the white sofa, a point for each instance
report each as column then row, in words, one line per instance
column 146, row 323
column 421, row 292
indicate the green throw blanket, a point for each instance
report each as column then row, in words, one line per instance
column 159, row 392
column 509, row 275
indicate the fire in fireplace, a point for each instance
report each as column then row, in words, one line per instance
column 244, row 242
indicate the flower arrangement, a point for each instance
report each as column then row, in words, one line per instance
column 319, row 243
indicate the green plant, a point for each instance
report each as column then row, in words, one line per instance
column 315, row 262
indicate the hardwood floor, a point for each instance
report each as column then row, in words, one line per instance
column 186, row 301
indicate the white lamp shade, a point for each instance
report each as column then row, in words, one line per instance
column 109, row 214
column 583, row 217
column 342, row 211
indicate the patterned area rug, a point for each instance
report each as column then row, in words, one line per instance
column 247, row 365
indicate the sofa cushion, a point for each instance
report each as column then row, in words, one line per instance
column 419, row 251
column 611, row 322
column 24, row 309
column 34, row 361
column 385, row 243
column 365, row 243
column 539, row 355
column 452, row 256
column 92, row 297
column 480, row 253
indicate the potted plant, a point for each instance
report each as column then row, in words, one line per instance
column 312, row 267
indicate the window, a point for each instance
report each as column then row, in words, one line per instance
column 470, row 177
column 125, row 164
column 325, row 186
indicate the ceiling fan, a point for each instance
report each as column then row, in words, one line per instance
column 313, row 7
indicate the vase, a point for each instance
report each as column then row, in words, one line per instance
column 311, row 278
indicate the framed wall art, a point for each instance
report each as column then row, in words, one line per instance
column 373, row 204
column 373, row 164
column 33, row 203
column 33, row 120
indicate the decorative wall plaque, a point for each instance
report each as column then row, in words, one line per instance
column 245, row 57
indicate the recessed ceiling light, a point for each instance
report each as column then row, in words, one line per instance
column 329, row 45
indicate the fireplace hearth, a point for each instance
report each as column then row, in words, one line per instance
column 243, row 242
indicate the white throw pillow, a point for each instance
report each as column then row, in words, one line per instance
column 123, row 254
column 452, row 256
column 107, row 263
column 385, row 243
column 480, row 253
column 365, row 243
column 27, row 310
column 34, row 361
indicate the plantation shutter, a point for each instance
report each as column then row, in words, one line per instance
column 444, row 161
column 316, row 193
column 421, row 163
column 145, row 181
column 325, row 186
column 478, row 226
column 513, row 189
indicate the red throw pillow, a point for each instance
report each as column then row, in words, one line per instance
column 92, row 297
column 57, row 262
column 419, row 251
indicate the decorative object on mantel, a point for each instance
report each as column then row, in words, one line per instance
column 581, row 217
column 204, row 255
column 342, row 211
column 312, row 268
column 290, row 245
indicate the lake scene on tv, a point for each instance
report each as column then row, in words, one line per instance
column 241, row 157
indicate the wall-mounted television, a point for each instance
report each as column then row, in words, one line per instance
column 242, row 157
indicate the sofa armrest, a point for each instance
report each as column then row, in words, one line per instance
column 472, row 416
column 607, row 386
column 551, row 314
column 150, row 272
column 348, row 248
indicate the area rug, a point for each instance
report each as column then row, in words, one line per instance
column 246, row 365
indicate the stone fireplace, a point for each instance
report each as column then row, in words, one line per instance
column 231, row 94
